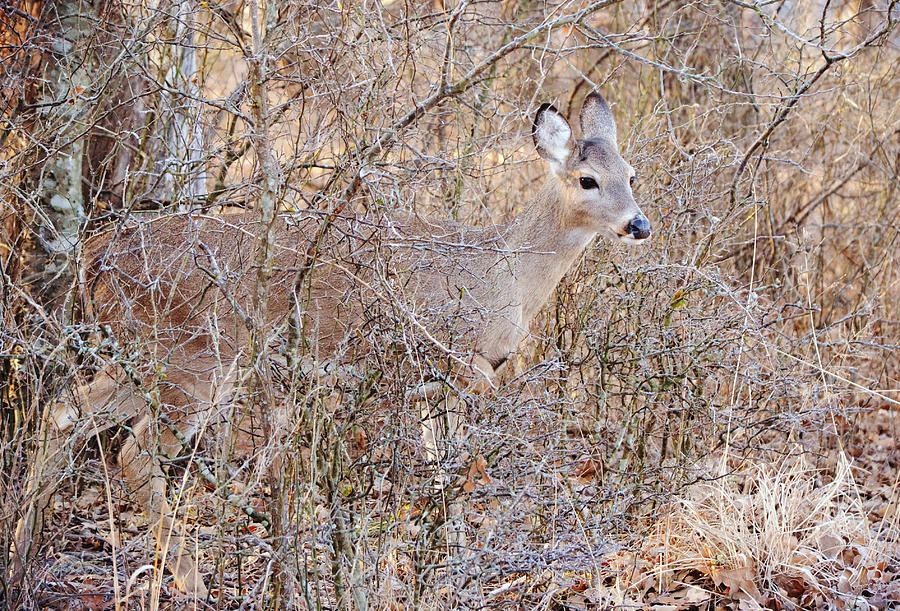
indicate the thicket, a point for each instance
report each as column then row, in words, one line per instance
column 706, row 420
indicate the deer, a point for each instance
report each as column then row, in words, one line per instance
column 179, row 288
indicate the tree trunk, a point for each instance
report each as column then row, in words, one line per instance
column 57, row 207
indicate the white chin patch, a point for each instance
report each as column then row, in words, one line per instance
column 630, row 239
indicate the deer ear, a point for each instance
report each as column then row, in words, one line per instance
column 552, row 137
column 596, row 119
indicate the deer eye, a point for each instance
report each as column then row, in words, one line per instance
column 632, row 180
column 587, row 182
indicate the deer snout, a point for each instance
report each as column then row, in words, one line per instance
column 639, row 227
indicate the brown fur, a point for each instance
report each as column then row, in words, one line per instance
column 181, row 289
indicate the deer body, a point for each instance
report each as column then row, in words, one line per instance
column 182, row 288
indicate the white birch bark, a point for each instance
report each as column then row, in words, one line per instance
column 65, row 104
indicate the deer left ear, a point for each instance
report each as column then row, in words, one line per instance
column 596, row 118
column 552, row 137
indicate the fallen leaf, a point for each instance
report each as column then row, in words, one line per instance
column 830, row 545
column 87, row 498
column 794, row 587
column 739, row 582
column 587, row 469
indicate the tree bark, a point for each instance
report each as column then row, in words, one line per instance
column 58, row 207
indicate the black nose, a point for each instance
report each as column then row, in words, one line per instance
column 639, row 227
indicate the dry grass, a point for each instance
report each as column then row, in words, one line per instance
column 800, row 535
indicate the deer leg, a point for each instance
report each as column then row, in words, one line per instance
column 146, row 480
column 61, row 428
column 445, row 426
column 429, row 431
column 188, row 398
column 456, row 531
column 52, row 444
column 477, row 380
column 440, row 428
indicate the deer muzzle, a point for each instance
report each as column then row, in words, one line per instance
column 639, row 227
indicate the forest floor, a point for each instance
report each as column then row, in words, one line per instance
column 810, row 532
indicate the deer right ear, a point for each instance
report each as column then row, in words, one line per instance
column 596, row 118
column 552, row 137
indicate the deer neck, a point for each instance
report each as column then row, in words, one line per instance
column 544, row 243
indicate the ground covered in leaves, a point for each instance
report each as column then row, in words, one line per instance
column 804, row 532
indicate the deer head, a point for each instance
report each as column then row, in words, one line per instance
column 594, row 180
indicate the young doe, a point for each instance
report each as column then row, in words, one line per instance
column 181, row 290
